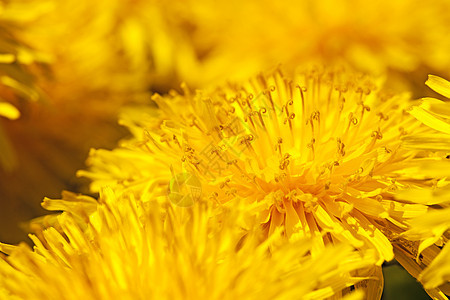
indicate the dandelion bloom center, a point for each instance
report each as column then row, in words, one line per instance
column 319, row 154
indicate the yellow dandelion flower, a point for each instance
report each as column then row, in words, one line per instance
column 374, row 37
column 16, row 82
column 81, row 91
column 16, row 56
column 156, row 44
column 18, row 90
column 431, row 231
column 118, row 47
column 319, row 155
column 130, row 249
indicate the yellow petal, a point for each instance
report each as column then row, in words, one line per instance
column 439, row 85
column 373, row 287
column 5, row 248
column 292, row 219
column 359, row 225
column 436, row 106
column 368, row 206
column 356, row 295
column 431, row 142
column 7, row 58
column 438, row 271
column 330, row 223
column 425, row 196
column 428, row 119
column 7, row 110
column 20, row 87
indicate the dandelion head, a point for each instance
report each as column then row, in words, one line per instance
column 130, row 249
column 319, row 155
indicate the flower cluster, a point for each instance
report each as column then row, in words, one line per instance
column 274, row 150
column 320, row 155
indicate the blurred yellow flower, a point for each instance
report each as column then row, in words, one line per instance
column 130, row 249
column 18, row 91
column 133, row 45
column 374, row 37
column 16, row 82
column 41, row 150
column 113, row 47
